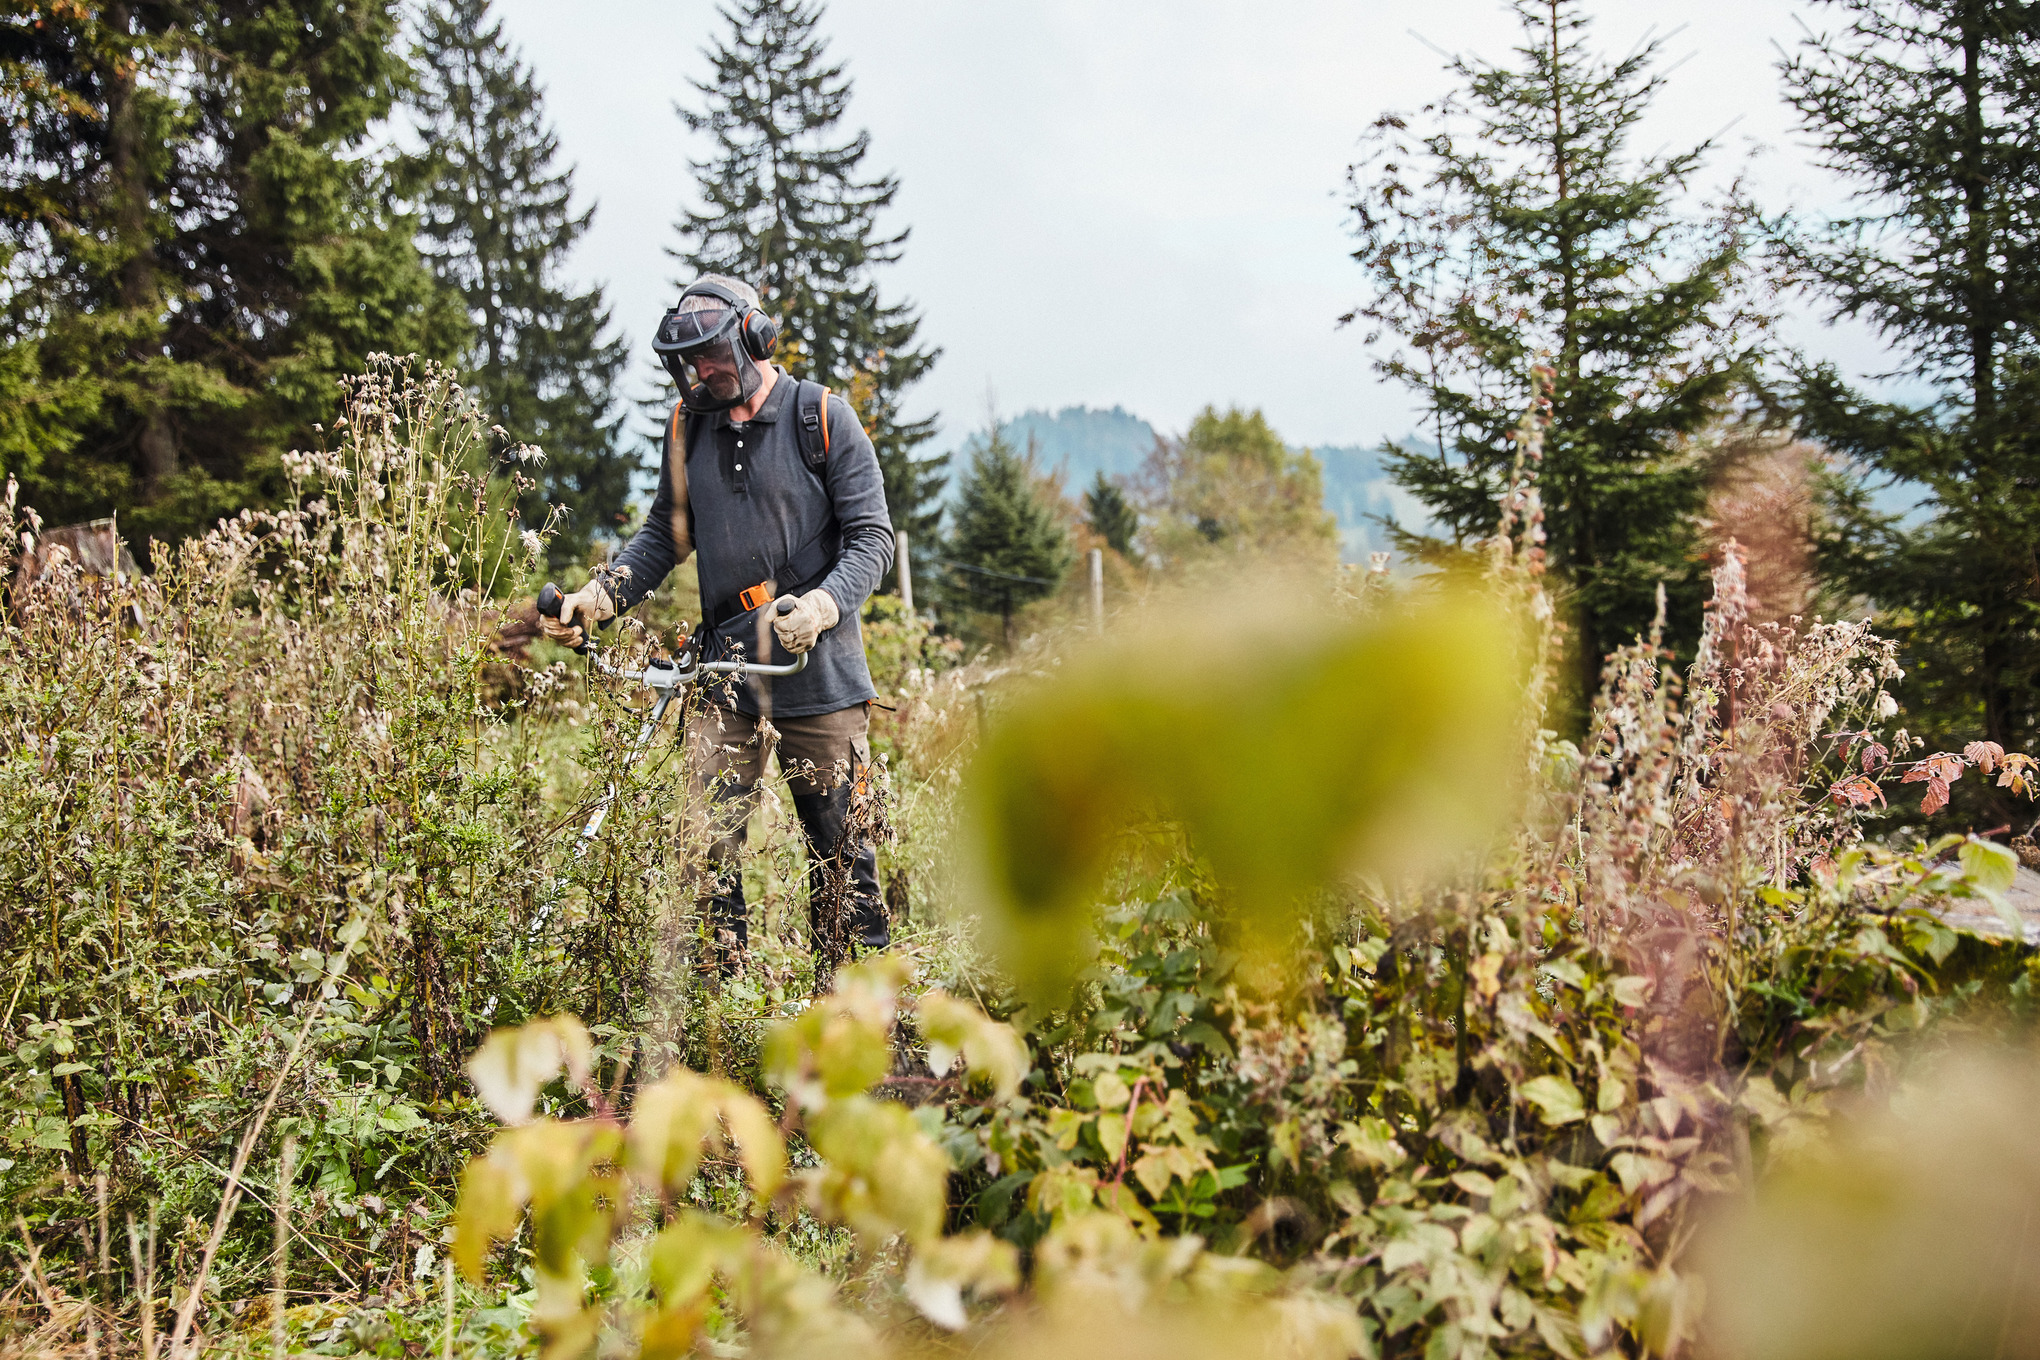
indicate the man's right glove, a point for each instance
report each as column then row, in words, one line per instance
column 812, row 615
column 591, row 602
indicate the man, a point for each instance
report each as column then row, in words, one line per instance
column 776, row 485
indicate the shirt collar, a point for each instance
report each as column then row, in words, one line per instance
column 775, row 399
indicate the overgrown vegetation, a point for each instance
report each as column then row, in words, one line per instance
column 1314, row 962
column 1151, row 1058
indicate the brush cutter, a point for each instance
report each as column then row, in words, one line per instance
column 665, row 678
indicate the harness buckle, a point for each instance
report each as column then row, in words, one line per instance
column 754, row 597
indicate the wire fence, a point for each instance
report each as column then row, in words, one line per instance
column 992, row 592
column 988, row 572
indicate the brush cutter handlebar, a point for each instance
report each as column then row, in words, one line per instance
column 664, row 675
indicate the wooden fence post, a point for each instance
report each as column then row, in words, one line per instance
column 905, row 562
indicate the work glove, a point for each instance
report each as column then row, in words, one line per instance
column 812, row 615
column 591, row 602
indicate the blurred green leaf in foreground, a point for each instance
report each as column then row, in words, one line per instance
column 1914, row 1233
column 1291, row 745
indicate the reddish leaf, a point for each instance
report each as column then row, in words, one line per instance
column 1856, row 791
column 1875, row 757
column 1941, row 765
column 1937, row 797
column 1985, row 755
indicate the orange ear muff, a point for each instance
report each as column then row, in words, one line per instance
column 761, row 334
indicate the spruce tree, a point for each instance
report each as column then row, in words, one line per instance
column 1110, row 516
column 1932, row 109
column 496, row 221
column 1516, row 225
column 210, row 249
column 785, row 207
column 1007, row 545
column 57, row 70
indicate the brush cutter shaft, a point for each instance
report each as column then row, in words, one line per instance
column 637, row 750
column 666, row 679
column 663, row 677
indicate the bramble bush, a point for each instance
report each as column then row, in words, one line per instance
column 1274, row 983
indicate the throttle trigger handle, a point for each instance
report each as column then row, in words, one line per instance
column 549, row 602
column 786, row 603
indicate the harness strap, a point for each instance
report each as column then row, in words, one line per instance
column 812, row 403
column 808, row 565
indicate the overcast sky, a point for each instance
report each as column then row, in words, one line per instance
column 1130, row 202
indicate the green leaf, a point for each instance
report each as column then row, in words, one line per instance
column 988, row 1047
column 668, row 1124
column 937, row 1275
column 881, row 1174
column 335, row 1178
column 1988, row 867
column 492, row 1195
column 1112, row 1136
column 674, row 1117
column 401, row 1117
column 1557, row 1099
column 841, row 1045
column 1372, row 1139
column 686, row 1255
column 1110, row 1090
column 512, row 1064
column 1381, row 744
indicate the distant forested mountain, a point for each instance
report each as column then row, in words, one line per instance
column 1079, row 442
column 1357, row 492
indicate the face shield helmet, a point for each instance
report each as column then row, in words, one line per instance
column 711, row 343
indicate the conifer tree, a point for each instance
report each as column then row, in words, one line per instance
column 496, row 221
column 1112, row 518
column 785, row 207
column 1932, row 109
column 207, row 249
column 1517, row 225
column 55, row 71
column 1007, row 545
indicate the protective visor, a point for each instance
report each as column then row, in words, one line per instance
column 696, row 323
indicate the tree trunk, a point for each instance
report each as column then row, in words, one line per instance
column 1974, row 176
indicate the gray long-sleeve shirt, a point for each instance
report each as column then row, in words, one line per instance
column 751, row 503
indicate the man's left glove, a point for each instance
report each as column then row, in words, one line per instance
column 579, row 613
column 812, row 615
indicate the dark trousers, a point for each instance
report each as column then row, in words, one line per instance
column 825, row 758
